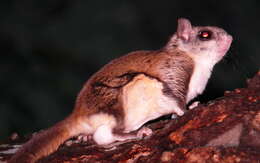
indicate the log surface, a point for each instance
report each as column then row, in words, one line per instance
column 226, row 129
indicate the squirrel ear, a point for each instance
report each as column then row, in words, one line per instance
column 184, row 28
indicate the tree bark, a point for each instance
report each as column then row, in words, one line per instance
column 226, row 129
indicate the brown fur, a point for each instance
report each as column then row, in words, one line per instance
column 173, row 69
column 102, row 91
column 45, row 142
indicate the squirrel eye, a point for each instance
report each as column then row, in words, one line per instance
column 205, row 35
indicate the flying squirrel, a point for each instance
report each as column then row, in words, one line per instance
column 136, row 88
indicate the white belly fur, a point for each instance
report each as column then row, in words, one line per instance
column 199, row 79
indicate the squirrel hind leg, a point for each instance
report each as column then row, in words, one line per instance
column 104, row 135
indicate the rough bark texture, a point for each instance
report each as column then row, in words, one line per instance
column 223, row 130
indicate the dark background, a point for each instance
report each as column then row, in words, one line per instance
column 49, row 48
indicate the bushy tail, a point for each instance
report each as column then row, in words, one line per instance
column 46, row 142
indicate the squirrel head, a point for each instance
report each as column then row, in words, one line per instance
column 207, row 43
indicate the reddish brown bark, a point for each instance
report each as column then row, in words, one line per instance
column 226, row 129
